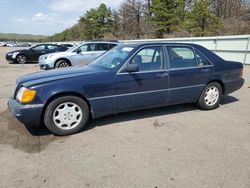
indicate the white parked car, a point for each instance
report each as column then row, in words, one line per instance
column 82, row 54
column 2, row 44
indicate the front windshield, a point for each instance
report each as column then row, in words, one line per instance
column 112, row 58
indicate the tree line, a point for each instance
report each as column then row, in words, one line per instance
column 138, row 19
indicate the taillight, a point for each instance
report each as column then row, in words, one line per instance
column 241, row 73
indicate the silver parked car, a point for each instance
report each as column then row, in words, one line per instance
column 82, row 54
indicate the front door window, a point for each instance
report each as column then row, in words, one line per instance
column 149, row 59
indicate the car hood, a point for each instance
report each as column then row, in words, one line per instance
column 20, row 51
column 56, row 74
column 58, row 54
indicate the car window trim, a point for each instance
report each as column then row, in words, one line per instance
column 185, row 68
column 87, row 43
column 203, row 56
column 54, row 45
column 194, row 51
column 38, row 46
column 190, row 47
column 131, row 57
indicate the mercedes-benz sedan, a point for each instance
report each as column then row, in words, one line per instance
column 128, row 77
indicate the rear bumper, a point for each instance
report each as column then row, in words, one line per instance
column 234, row 85
column 27, row 114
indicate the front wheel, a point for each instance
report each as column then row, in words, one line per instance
column 21, row 59
column 62, row 63
column 210, row 97
column 66, row 115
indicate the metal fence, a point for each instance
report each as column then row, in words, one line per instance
column 234, row 48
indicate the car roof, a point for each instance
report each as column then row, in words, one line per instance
column 138, row 44
column 206, row 52
column 47, row 44
column 104, row 42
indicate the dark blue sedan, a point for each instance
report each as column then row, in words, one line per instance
column 129, row 77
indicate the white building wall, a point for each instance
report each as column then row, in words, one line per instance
column 234, row 48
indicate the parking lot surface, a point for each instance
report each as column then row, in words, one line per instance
column 175, row 146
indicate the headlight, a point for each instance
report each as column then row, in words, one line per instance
column 25, row 95
column 10, row 54
column 48, row 56
column 14, row 55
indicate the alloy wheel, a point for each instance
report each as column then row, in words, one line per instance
column 211, row 96
column 67, row 115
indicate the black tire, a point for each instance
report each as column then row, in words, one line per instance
column 203, row 103
column 62, row 63
column 21, row 59
column 50, row 112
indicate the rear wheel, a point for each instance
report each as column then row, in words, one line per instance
column 62, row 63
column 21, row 59
column 66, row 115
column 210, row 97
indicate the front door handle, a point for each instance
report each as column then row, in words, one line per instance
column 162, row 75
column 205, row 70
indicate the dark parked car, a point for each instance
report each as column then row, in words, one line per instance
column 128, row 77
column 32, row 54
column 67, row 45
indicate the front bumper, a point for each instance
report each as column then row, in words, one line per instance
column 45, row 64
column 27, row 114
column 9, row 58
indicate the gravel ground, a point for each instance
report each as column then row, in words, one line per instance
column 176, row 146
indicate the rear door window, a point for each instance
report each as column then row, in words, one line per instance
column 112, row 46
column 52, row 47
column 39, row 48
column 201, row 60
column 181, row 57
column 87, row 47
column 102, row 47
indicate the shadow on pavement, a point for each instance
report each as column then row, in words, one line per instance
column 228, row 99
column 135, row 115
column 42, row 131
column 128, row 116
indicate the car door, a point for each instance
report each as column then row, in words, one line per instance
column 146, row 88
column 188, row 74
column 37, row 51
column 83, row 54
column 50, row 48
column 101, row 48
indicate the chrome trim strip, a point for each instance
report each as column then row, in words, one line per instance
column 32, row 106
column 176, row 88
column 151, row 71
column 143, row 92
column 184, row 68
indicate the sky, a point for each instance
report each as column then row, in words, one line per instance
column 45, row 17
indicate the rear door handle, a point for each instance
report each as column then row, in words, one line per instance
column 162, row 75
column 205, row 70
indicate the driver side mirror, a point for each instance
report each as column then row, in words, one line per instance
column 78, row 51
column 131, row 68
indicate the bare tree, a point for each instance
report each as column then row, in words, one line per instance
column 131, row 15
column 228, row 8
